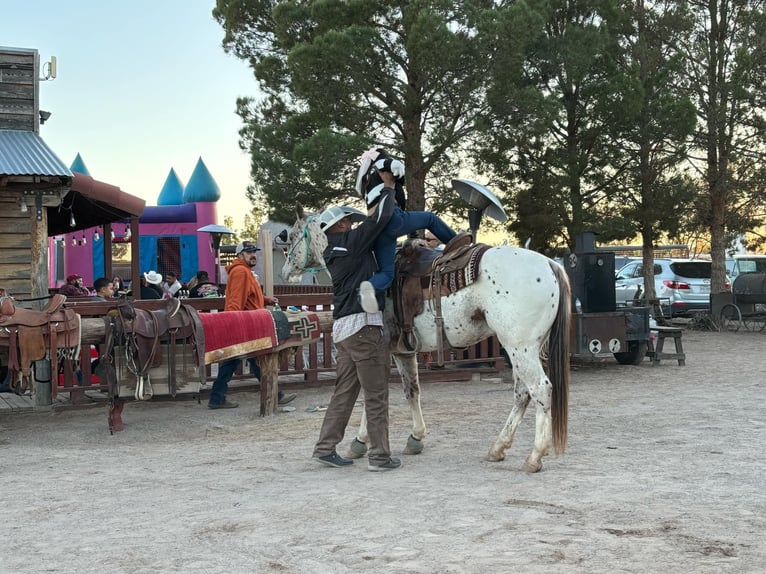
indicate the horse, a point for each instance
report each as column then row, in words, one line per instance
column 519, row 296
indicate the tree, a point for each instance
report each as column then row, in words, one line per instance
column 658, row 121
column 552, row 96
column 227, row 238
column 724, row 59
column 338, row 76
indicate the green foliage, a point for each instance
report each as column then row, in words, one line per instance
column 337, row 76
column 624, row 117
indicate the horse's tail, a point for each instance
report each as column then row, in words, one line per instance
column 558, row 361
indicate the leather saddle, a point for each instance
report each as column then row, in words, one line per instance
column 53, row 332
column 424, row 274
column 146, row 334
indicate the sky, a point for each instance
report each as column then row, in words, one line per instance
column 142, row 86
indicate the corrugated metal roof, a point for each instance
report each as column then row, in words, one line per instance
column 25, row 153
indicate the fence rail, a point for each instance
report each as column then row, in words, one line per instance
column 312, row 365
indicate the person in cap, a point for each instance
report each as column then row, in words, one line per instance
column 243, row 293
column 369, row 185
column 74, row 287
column 151, row 282
column 363, row 359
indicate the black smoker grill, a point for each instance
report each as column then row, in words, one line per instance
column 598, row 327
column 748, row 304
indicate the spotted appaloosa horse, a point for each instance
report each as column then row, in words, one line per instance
column 521, row 297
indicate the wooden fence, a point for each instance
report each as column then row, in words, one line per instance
column 313, row 364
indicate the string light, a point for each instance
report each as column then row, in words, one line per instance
column 112, row 234
column 72, row 221
column 96, row 235
column 74, row 241
column 84, row 239
column 128, row 234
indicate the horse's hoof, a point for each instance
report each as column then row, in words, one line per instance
column 494, row 457
column 532, row 468
column 414, row 445
column 357, row 449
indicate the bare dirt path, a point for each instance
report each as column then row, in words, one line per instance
column 664, row 473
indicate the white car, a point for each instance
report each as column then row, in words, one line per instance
column 682, row 285
column 745, row 263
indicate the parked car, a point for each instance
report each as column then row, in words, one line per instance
column 683, row 283
column 745, row 263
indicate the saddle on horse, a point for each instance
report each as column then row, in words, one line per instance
column 145, row 334
column 424, row 274
column 52, row 333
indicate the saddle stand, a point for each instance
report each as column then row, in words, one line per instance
column 53, row 333
column 144, row 334
column 427, row 274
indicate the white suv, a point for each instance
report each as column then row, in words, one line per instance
column 684, row 283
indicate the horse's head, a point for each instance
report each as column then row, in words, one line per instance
column 306, row 244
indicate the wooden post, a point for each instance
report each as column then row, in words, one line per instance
column 267, row 260
column 135, row 259
column 108, row 252
column 43, row 378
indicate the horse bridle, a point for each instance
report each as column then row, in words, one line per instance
column 307, row 240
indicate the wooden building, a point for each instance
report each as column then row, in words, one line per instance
column 39, row 196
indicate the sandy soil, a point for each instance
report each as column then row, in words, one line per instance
column 664, row 473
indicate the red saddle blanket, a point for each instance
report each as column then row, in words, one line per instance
column 232, row 334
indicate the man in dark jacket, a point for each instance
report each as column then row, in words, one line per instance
column 363, row 360
column 74, row 287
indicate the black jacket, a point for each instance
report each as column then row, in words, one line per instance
column 350, row 260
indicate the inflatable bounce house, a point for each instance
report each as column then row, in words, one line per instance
column 168, row 237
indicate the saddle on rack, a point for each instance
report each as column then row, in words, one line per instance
column 53, row 333
column 145, row 334
column 424, row 274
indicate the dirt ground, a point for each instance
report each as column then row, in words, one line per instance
column 663, row 473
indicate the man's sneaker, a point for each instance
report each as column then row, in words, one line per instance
column 335, row 460
column 367, row 297
column 390, row 464
column 285, row 399
column 224, row 405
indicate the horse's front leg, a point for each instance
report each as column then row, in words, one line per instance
column 407, row 366
column 358, row 447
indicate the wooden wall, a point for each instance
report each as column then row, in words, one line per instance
column 16, row 250
column 19, row 73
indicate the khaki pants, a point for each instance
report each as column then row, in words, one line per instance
column 363, row 362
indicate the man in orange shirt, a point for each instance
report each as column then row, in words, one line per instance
column 243, row 293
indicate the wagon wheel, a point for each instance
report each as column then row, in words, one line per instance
column 730, row 318
column 754, row 323
column 634, row 354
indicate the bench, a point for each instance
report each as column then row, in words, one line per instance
column 656, row 351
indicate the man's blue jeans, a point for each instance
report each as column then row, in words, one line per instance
column 403, row 223
column 226, row 370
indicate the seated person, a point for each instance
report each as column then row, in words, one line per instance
column 150, row 285
column 171, row 286
column 370, row 186
column 74, row 287
column 203, row 287
column 120, row 288
column 104, row 289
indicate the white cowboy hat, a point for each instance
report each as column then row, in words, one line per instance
column 334, row 214
column 153, row 277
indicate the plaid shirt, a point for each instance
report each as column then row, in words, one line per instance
column 346, row 326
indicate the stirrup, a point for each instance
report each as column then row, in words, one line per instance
column 406, row 347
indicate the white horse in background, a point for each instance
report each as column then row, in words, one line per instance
column 521, row 297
